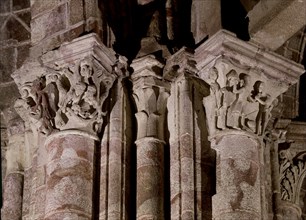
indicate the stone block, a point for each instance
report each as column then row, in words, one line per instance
column 39, row 6
column 76, row 10
column 7, row 64
column 5, row 6
column 20, row 4
column 15, row 30
column 25, row 16
column 22, row 54
column 49, row 23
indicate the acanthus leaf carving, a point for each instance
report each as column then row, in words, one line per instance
column 292, row 171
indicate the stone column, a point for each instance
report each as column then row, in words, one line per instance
column 69, row 184
column 238, row 176
column 115, row 175
column 150, row 95
column 190, row 159
column 14, row 178
column 13, row 181
column 63, row 98
column 245, row 82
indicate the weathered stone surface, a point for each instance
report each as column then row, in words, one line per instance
column 273, row 22
column 7, row 64
column 12, row 205
column 15, row 30
column 20, row 4
column 238, row 179
column 38, row 6
column 5, row 6
column 49, row 23
column 69, row 176
column 76, row 9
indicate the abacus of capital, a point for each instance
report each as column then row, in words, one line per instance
column 100, row 124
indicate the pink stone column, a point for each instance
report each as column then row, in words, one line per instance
column 12, row 194
column 150, row 94
column 115, row 158
column 69, row 181
column 150, row 171
column 238, row 176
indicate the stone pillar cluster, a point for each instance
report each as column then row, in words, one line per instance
column 180, row 138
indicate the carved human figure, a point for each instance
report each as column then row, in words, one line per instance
column 89, row 104
column 41, row 108
column 215, row 91
column 242, row 90
column 86, row 71
column 263, row 99
column 229, row 96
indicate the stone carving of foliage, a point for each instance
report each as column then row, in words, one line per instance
column 291, row 173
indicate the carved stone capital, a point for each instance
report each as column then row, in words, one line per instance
column 182, row 62
column 150, row 94
column 292, row 173
column 245, row 81
column 69, row 88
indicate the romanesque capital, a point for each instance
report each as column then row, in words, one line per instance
column 292, row 172
column 245, row 80
column 67, row 89
column 150, row 93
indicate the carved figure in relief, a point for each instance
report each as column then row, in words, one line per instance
column 229, row 96
column 216, row 92
column 238, row 107
column 40, row 110
column 86, row 71
column 263, row 99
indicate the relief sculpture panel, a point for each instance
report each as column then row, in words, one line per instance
column 237, row 100
column 68, row 97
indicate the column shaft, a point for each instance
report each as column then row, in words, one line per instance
column 12, row 203
column 150, row 170
column 238, row 177
column 69, row 178
column 115, row 159
column 276, row 196
column 190, row 159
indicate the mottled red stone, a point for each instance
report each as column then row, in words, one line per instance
column 238, row 179
column 12, row 197
column 150, row 184
column 69, row 177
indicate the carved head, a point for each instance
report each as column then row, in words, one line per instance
column 259, row 86
column 213, row 75
column 53, row 77
column 232, row 78
column 79, row 88
column 86, row 68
